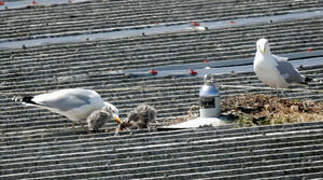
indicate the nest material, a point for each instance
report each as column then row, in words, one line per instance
column 261, row 109
column 252, row 110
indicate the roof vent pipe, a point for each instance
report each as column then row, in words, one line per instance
column 209, row 99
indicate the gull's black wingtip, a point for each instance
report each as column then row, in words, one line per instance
column 307, row 80
column 25, row 99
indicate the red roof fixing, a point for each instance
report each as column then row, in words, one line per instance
column 192, row 72
column 153, row 72
column 195, row 24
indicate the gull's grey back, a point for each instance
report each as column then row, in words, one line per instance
column 290, row 74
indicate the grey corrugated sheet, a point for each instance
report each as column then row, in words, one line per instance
column 166, row 49
column 37, row 144
column 171, row 96
column 263, row 152
column 94, row 16
column 97, row 65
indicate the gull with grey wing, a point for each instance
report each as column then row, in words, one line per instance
column 275, row 71
column 75, row 104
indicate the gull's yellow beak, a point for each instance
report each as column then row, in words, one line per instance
column 263, row 50
column 116, row 117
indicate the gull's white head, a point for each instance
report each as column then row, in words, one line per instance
column 109, row 108
column 263, row 46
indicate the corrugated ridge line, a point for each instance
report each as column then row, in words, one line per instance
column 189, row 36
column 98, row 170
column 136, row 61
column 315, row 172
column 189, row 139
column 247, row 161
column 297, row 25
column 224, row 170
column 83, row 68
column 120, row 159
column 185, row 35
column 200, row 168
column 300, row 136
column 168, row 134
column 138, row 18
column 94, row 152
column 29, row 148
column 127, row 85
column 312, row 175
column 50, row 75
column 123, row 81
column 126, row 5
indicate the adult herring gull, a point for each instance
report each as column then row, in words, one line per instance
column 275, row 71
column 75, row 104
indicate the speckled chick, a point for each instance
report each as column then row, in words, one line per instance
column 142, row 116
column 139, row 118
column 97, row 119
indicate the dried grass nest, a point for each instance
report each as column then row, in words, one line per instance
column 251, row 110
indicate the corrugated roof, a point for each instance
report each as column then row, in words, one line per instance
column 94, row 16
column 38, row 144
column 164, row 49
column 262, row 152
column 171, row 96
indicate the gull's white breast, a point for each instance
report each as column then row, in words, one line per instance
column 266, row 70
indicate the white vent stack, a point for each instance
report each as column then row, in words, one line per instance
column 209, row 99
column 210, row 108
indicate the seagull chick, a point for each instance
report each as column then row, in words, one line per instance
column 139, row 118
column 99, row 117
column 75, row 104
column 142, row 116
column 275, row 71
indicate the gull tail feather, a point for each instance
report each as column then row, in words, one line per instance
column 25, row 99
column 307, row 80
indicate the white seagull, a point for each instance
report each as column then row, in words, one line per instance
column 275, row 71
column 75, row 104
